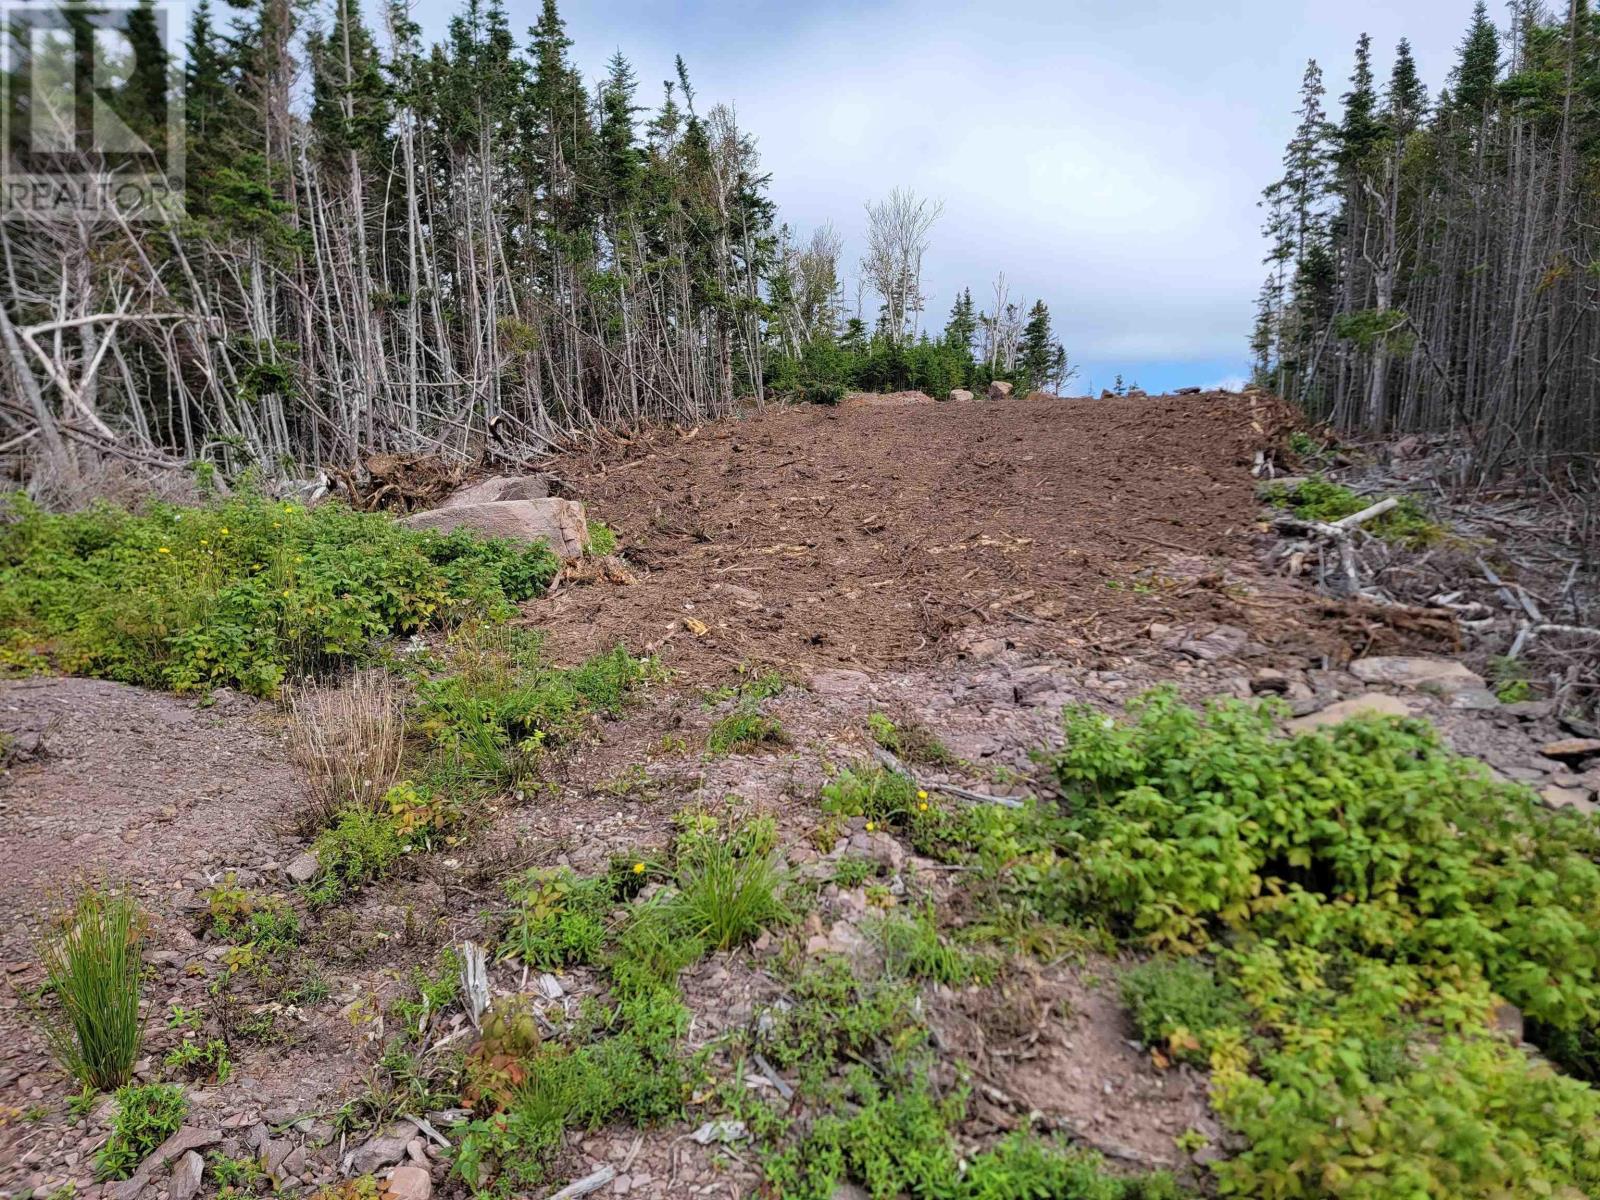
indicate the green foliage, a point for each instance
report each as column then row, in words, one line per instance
column 242, row 593
column 909, row 742
column 835, row 1016
column 1367, row 895
column 558, row 919
column 897, row 1141
column 501, row 706
column 602, row 539
column 1318, row 499
column 436, row 992
column 914, row 949
column 357, row 848
column 743, row 731
column 146, row 1116
column 196, row 1060
column 91, row 964
column 729, row 890
column 753, row 684
column 885, row 797
column 1177, row 1003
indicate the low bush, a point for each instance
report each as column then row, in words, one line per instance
column 557, row 920
column 1318, row 499
column 92, row 968
column 1367, row 897
column 357, row 848
column 243, row 593
column 146, row 1116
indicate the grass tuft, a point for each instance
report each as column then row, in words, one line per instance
column 92, row 966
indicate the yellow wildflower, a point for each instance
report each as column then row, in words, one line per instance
column 223, row 531
column 921, row 795
column 638, row 868
column 870, row 826
column 163, row 550
column 922, row 806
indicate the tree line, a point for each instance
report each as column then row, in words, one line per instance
column 393, row 246
column 1435, row 260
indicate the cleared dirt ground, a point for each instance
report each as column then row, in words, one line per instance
column 869, row 535
column 970, row 567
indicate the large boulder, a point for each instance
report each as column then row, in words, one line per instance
column 561, row 524
column 960, row 394
column 999, row 390
column 500, row 487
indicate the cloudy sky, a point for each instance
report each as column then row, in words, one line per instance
column 1106, row 156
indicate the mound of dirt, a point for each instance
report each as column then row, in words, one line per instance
column 867, row 535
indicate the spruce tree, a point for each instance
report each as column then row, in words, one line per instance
column 1478, row 66
column 1037, row 351
column 962, row 326
column 1407, row 95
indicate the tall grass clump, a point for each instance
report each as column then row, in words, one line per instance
column 92, row 967
column 351, row 741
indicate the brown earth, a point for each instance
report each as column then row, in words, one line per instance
column 863, row 536
column 969, row 567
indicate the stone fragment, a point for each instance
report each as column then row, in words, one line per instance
column 1220, row 642
column 1474, row 700
column 839, row 683
column 1564, row 797
column 186, row 1173
column 960, row 394
column 561, row 524
column 1571, row 749
column 1442, row 675
column 1377, row 704
column 303, row 869
column 384, row 1148
column 409, row 1183
column 1529, row 710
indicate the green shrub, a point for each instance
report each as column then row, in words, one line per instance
column 1177, row 1003
column 1318, row 499
column 557, row 920
column 92, row 967
column 886, row 797
column 356, row 849
column 897, row 1141
column 602, row 539
column 500, row 706
column 146, row 1116
column 201, row 1060
column 744, row 731
column 242, row 593
column 910, row 742
column 1367, row 897
column 913, row 949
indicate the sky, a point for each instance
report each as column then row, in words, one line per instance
column 1107, row 156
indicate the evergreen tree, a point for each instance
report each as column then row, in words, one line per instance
column 1037, row 353
column 1361, row 127
column 962, row 326
column 1407, row 95
column 1479, row 65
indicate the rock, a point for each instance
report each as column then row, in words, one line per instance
column 409, row 1183
column 180, row 1143
column 1579, row 728
column 500, row 487
column 273, row 1156
column 961, row 394
column 1571, row 750
column 1442, row 675
column 303, row 869
column 1474, row 700
column 840, row 682
column 1222, row 641
column 1134, row 393
column 850, row 1191
column 999, row 390
column 1523, row 774
column 560, row 524
column 186, row 1173
column 1375, row 705
column 1268, row 680
column 1508, row 1019
column 1187, row 391
column 550, row 987
column 1529, row 710
column 384, row 1148
column 1564, row 797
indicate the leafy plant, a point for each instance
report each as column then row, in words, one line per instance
column 908, row 741
column 243, row 593
column 1318, row 499
column 358, row 848
column 602, row 539
column 91, row 964
column 914, row 949
column 197, row 1060
column 1177, row 1004
column 557, row 920
column 146, row 1116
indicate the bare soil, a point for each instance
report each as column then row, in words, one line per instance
column 967, row 567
